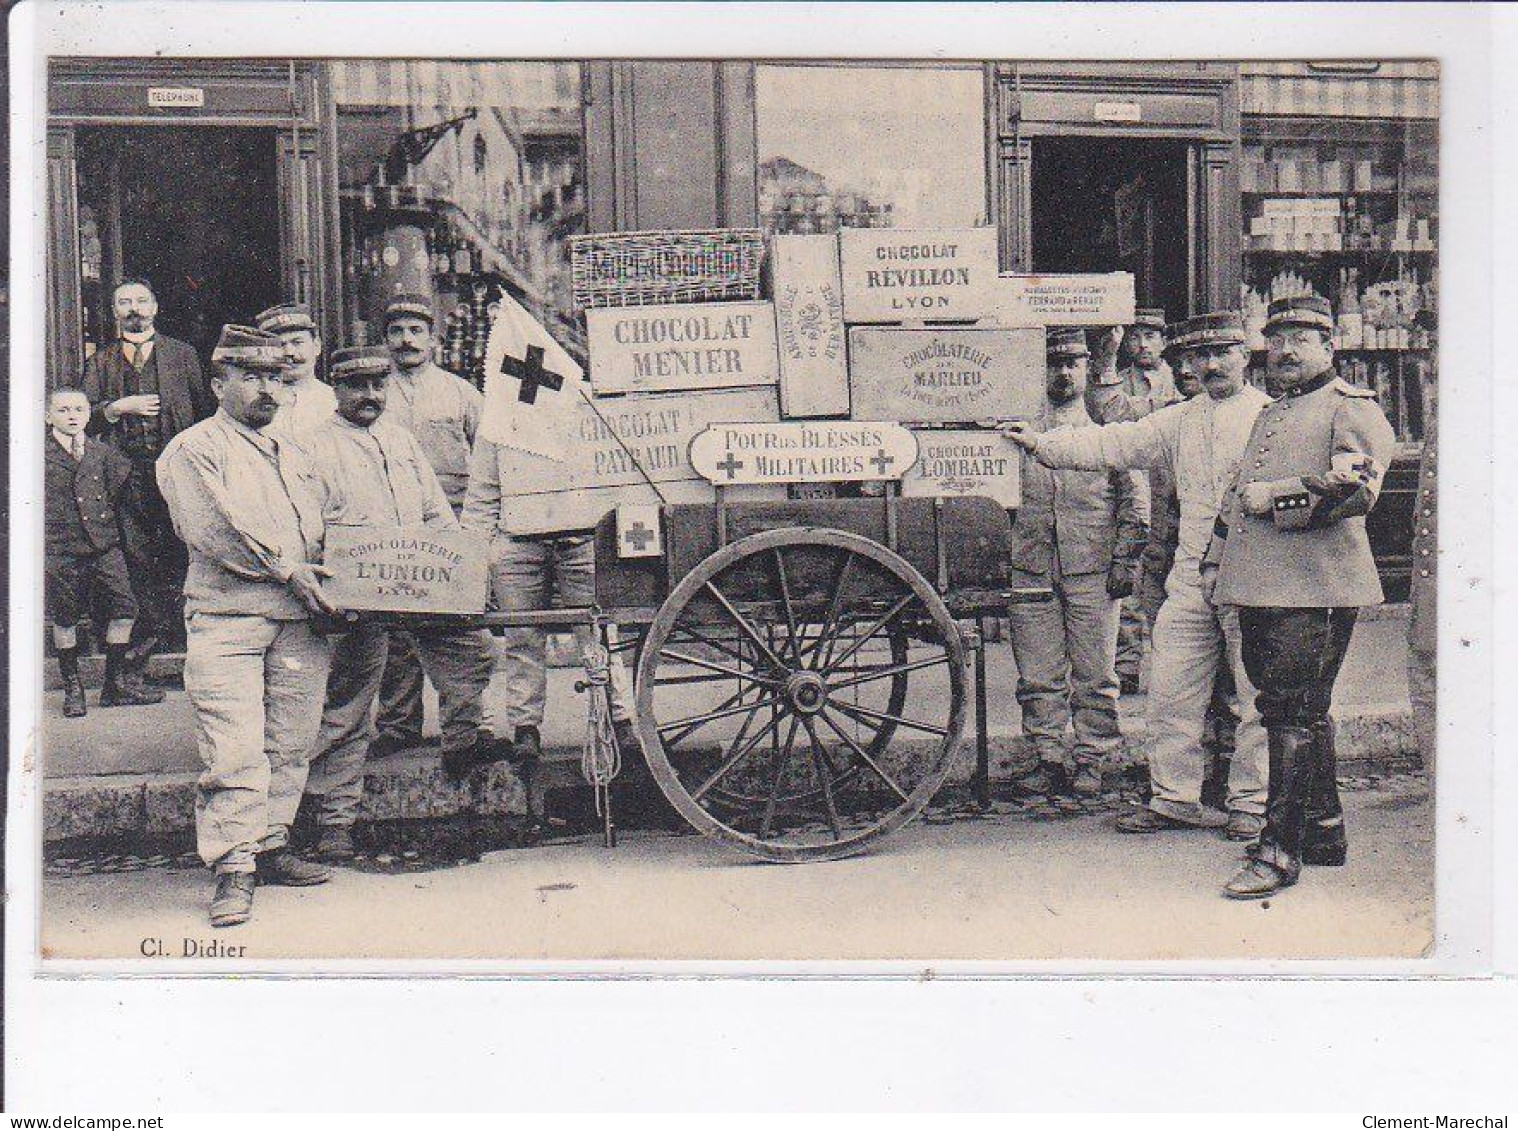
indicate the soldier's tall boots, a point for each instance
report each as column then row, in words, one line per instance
column 73, row 686
column 1277, row 862
column 1324, row 842
column 119, row 688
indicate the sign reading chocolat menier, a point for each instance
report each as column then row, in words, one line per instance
column 407, row 569
column 659, row 349
column 901, row 275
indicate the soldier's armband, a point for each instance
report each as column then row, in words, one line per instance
column 1291, row 505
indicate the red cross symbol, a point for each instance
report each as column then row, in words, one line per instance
column 640, row 536
column 532, row 374
column 731, row 464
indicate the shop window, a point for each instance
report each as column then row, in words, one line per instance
column 461, row 181
column 870, row 147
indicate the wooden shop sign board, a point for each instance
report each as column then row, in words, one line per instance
column 949, row 376
column 1065, row 300
column 407, row 569
column 661, row 349
column 900, row 275
column 618, row 446
column 820, row 451
column 814, row 371
column 962, row 462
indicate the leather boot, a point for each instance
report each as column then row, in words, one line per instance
column 73, row 686
column 1277, row 862
column 281, row 867
column 121, row 688
column 1324, row 842
column 233, row 902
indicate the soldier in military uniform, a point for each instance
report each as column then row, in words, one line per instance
column 309, row 402
column 1291, row 552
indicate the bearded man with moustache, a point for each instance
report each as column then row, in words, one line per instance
column 144, row 389
column 1198, row 443
column 369, row 472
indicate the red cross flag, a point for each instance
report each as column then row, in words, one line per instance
column 532, row 387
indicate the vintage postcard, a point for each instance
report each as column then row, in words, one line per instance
column 532, row 511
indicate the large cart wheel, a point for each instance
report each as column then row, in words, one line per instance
column 773, row 694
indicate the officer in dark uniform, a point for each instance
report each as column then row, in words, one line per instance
column 1291, row 551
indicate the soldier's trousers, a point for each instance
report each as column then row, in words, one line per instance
column 1192, row 641
column 156, row 559
column 1064, row 651
column 458, row 663
column 401, row 690
column 1132, row 630
column 1293, row 657
column 256, row 685
column 542, row 573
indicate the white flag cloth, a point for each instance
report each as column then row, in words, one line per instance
column 532, row 387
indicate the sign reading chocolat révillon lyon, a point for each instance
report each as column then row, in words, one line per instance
column 821, row 451
column 1065, row 300
column 407, row 569
column 957, row 462
column 660, row 349
column 946, row 376
column 902, row 275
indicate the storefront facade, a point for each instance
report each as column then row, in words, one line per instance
column 1215, row 184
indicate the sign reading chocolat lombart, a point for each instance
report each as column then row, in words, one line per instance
column 406, row 569
column 957, row 462
column 903, row 275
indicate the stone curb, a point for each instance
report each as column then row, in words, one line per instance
column 1373, row 738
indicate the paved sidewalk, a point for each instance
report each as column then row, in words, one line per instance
column 121, row 770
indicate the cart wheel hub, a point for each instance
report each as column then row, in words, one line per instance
column 806, row 692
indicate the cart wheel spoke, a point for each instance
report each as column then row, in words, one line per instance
column 820, row 763
column 864, row 755
column 744, row 626
column 830, row 622
column 702, row 639
column 694, row 721
column 870, row 633
column 854, row 710
column 767, row 819
column 696, row 661
column 736, row 756
column 887, row 672
column 790, row 608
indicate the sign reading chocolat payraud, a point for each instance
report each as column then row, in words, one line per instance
column 1065, row 300
column 407, row 569
column 946, row 376
column 816, row 451
column 661, row 349
column 957, row 462
column 617, row 446
column 814, row 371
column 900, row 274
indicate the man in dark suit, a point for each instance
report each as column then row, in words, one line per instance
column 144, row 389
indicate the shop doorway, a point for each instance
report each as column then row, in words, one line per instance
column 1101, row 204
column 194, row 210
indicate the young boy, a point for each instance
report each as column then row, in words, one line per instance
column 84, row 562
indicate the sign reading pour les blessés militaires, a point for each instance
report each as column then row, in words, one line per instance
column 948, row 376
column 817, row 451
column 905, row 275
column 661, row 349
column 407, row 569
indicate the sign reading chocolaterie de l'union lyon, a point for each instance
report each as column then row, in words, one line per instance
column 902, row 275
column 661, row 349
column 411, row 569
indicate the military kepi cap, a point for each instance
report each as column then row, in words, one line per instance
column 409, row 306
column 1150, row 318
column 359, row 361
column 285, row 317
column 247, row 347
column 1066, row 342
column 1219, row 328
column 1305, row 310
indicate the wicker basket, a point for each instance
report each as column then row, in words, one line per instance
column 645, row 268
